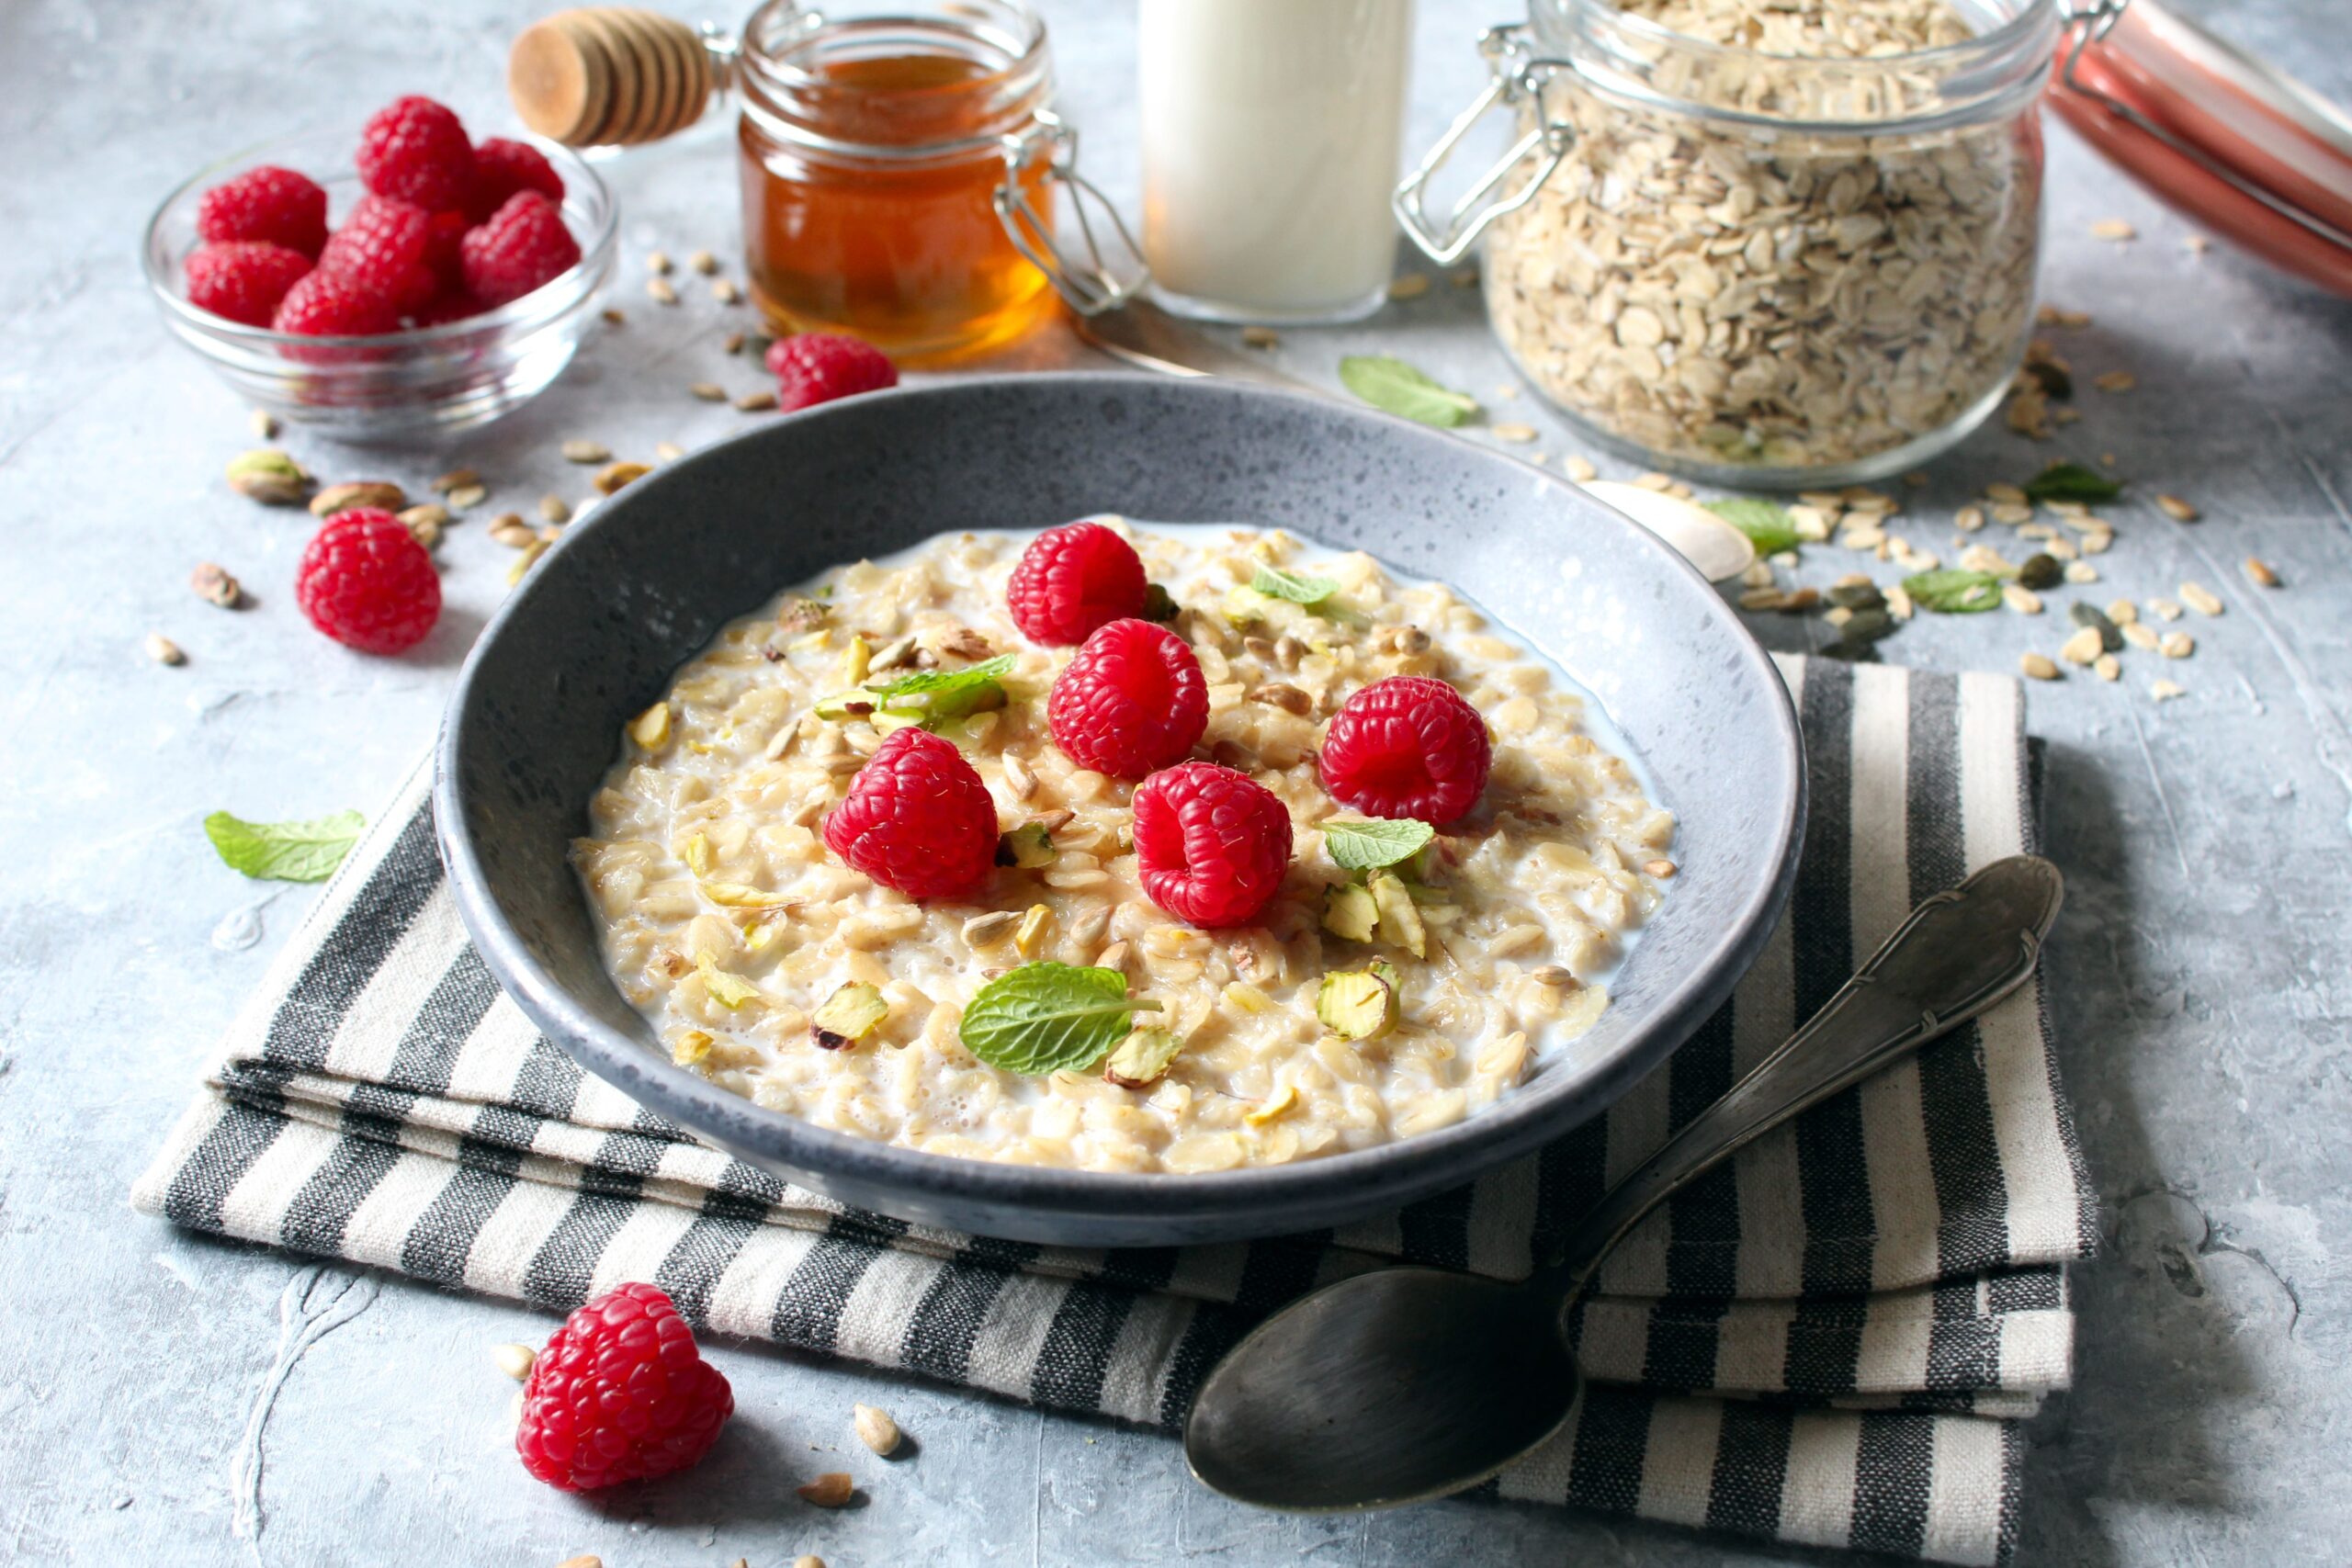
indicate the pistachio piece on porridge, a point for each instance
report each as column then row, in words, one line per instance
column 1029, row 847
column 692, row 1046
column 848, row 1016
column 1141, row 1059
column 797, row 615
column 1357, row 1004
column 963, row 642
column 1157, row 604
column 857, row 661
column 730, row 991
column 1400, row 923
column 1350, row 911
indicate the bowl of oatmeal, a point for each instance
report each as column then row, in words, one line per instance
column 1391, row 809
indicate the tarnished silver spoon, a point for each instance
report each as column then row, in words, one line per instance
column 1408, row 1383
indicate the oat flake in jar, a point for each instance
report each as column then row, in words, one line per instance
column 1761, row 244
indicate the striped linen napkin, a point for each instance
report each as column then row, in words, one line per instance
column 1830, row 1339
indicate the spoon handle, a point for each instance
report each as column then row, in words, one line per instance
column 1957, row 954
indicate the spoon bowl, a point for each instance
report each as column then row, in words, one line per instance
column 1303, row 1414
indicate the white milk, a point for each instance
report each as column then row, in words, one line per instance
column 1271, row 136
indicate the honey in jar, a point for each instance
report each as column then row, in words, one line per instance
column 874, row 146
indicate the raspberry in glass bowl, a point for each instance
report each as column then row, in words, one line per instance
column 434, row 370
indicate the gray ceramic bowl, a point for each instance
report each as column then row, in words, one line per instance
column 599, row 627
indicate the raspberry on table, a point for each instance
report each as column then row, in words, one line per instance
column 620, row 1393
column 365, row 582
column 917, row 817
column 1408, row 746
column 816, row 368
column 1072, row 579
column 1211, row 844
column 520, row 247
column 327, row 304
column 385, row 247
column 415, row 150
column 277, row 205
column 243, row 279
column 503, row 166
column 1130, row 701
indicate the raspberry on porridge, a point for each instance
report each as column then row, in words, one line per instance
column 1398, row 974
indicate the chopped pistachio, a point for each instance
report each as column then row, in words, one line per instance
column 1142, row 1058
column 856, row 662
column 690, row 1047
column 730, row 991
column 848, row 1016
column 1356, row 1004
column 1349, row 912
column 1029, row 846
column 1400, row 923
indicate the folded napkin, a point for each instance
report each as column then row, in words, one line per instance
column 1830, row 1339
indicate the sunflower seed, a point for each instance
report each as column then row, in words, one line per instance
column 2177, row 645
column 1579, row 469
column 580, row 451
column 2081, row 572
column 2177, row 509
column 667, row 451
column 509, row 529
column 552, row 509
column 615, row 316
column 1260, row 337
column 164, row 651
column 2113, row 229
column 515, row 1360
column 2199, row 598
column 659, row 289
column 1521, row 433
column 2115, row 381
column 2082, row 647
column 2139, row 633
column 2037, row 666
column 708, row 391
column 755, row 402
column 2165, row 691
column 215, row 586
column 2107, row 667
column 2259, row 572
column 875, row 1429
column 456, row 479
column 830, row 1490
column 613, row 476
column 1410, row 286
column 265, row 424
column 703, row 262
column 2024, row 601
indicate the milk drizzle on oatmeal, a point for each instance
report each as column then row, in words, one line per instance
column 1545, row 875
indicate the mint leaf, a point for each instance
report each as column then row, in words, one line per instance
column 1954, row 592
column 1276, row 583
column 284, row 851
column 1766, row 525
column 946, row 679
column 2072, row 482
column 1041, row 1018
column 1368, row 845
column 1395, row 386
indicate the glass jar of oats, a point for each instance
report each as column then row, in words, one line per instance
column 1761, row 242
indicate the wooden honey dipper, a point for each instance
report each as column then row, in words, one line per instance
column 608, row 75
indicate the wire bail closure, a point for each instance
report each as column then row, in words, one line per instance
column 2091, row 23
column 1090, row 287
column 1517, row 77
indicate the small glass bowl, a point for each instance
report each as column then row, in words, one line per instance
column 424, row 381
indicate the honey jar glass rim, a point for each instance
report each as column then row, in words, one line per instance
column 1006, row 38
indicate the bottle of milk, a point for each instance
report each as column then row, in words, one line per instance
column 1271, row 136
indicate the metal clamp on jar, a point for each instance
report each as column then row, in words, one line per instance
column 900, row 161
column 1757, row 266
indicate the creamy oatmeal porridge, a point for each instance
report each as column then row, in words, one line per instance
column 727, row 921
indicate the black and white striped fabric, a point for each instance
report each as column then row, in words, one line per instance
column 1828, row 1341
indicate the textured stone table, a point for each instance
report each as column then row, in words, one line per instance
column 167, row 1399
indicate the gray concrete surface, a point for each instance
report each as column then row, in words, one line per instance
column 168, row 1399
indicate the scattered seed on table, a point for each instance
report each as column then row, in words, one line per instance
column 515, row 1360
column 2024, row 601
column 1898, row 603
column 509, row 529
column 552, row 508
column 579, row 451
column 658, row 263
column 2177, row 509
column 875, row 1429
column 2081, row 572
column 1761, row 599
column 164, row 651
column 1410, row 286
column 466, row 496
column 215, row 586
column 1969, row 519
column 755, row 402
column 2107, row 667
column 456, row 479
column 734, row 344
column 1757, row 574
column 613, row 476
column 703, row 262
column 265, row 424
column 2081, row 648
column 2005, row 494
column 1260, row 337
column 2164, row 609
column 2165, row 691
column 659, row 291
column 830, row 1490
column 2139, row 633
column 2122, row 612
column 2115, row 381
column 2012, row 513
column 2199, row 598
column 616, row 316
column 1521, row 433
column 2113, row 229
column 2037, row 666
column 1579, row 469
column 1465, row 277
column 2257, row 571
column 708, row 391
column 668, row 451
column 723, row 289
column 2177, row 645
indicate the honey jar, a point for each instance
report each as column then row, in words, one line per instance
column 899, row 162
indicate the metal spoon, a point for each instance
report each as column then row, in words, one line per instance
column 1408, row 1383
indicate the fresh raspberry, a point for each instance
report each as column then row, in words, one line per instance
column 385, row 247
column 1211, row 843
column 501, row 167
column 269, row 204
column 620, row 1393
column 445, row 239
column 816, row 368
column 455, row 305
column 415, row 150
column 1407, row 746
column 243, row 279
column 521, row 246
column 917, row 817
column 365, row 582
column 1130, row 701
column 1073, row 579
column 327, row 304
